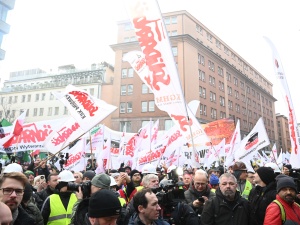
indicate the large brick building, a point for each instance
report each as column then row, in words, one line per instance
column 210, row 71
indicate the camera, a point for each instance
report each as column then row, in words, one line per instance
column 85, row 188
column 201, row 199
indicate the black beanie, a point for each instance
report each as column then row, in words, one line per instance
column 284, row 182
column 266, row 174
column 89, row 174
column 134, row 172
column 104, row 203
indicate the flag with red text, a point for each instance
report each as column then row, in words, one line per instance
column 293, row 126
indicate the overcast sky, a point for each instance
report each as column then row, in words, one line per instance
column 49, row 33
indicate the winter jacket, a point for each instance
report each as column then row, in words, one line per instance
column 23, row 218
column 39, row 171
column 273, row 213
column 41, row 196
column 219, row 211
column 192, row 194
column 259, row 199
column 135, row 220
column 34, row 212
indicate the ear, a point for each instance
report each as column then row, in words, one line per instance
column 92, row 220
column 140, row 208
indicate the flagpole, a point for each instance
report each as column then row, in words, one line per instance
column 91, row 149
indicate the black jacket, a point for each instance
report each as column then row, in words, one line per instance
column 33, row 212
column 24, row 218
column 259, row 199
column 39, row 170
column 41, row 196
column 219, row 211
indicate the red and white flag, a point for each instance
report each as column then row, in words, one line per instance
column 234, row 145
column 214, row 154
column 15, row 133
column 156, row 67
column 104, row 158
column 293, row 127
column 255, row 140
column 273, row 154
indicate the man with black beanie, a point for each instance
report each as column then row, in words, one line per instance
column 104, row 208
column 262, row 195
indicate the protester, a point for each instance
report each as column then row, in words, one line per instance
column 214, row 182
column 78, row 177
column 199, row 192
column 30, row 176
column 88, row 175
column 262, row 195
column 57, row 208
column 284, row 210
column 228, row 207
column 187, row 179
column 240, row 173
column 250, row 177
column 286, row 169
column 12, row 189
column 39, row 167
column 99, row 213
column 147, row 209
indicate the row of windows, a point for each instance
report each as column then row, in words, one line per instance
column 127, row 124
column 127, row 89
column 146, row 106
column 50, row 111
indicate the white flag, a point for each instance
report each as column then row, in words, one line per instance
column 234, row 145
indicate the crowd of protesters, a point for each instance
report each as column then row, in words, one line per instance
column 39, row 193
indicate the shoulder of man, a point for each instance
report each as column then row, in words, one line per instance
column 24, row 217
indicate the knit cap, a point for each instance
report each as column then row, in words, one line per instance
column 266, row 174
column 101, row 181
column 213, row 180
column 284, row 182
column 134, row 172
column 89, row 174
column 104, row 203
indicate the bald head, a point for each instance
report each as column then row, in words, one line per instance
column 5, row 214
column 200, row 182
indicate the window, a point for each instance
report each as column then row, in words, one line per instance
column 250, row 114
column 130, row 89
column 51, row 96
column 151, row 106
column 28, row 98
column 213, row 113
column 125, row 125
column 218, row 44
column 242, row 85
column 144, row 89
column 201, row 59
column 92, row 91
column 35, row 111
column 41, row 112
column 129, row 107
column 144, row 106
column 167, row 20
column 128, row 26
column 236, row 81
column 15, row 99
column 174, row 19
column 130, row 72
column 123, row 89
column 201, row 75
column 222, row 101
column 212, row 97
column 211, row 65
column 237, row 107
column 65, row 110
column 23, row 98
column 221, row 85
column 220, row 71
column 174, row 33
column 226, row 50
column 175, row 51
column 37, row 96
column 56, row 110
column 222, row 114
column 43, row 97
column 209, row 37
column 168, row 124
column 202, row 109
column 236, row 94
column 122, row 107
column 10, row 100
column 212, row 81
column 13, row 113
column 230, row 103
column 248, row 89
column 124, row 73
column 202, row 92
column 50, row 111
column 228, row 76
column 229, row 90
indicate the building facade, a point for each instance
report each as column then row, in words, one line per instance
column 5, row 6
column 284, row 140
column 31, row 90
column 210, row 71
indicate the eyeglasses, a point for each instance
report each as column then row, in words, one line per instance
column 9, row 191
column 75, row 177
column 200, row 184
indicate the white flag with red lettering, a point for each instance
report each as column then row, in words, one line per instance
column 273, row 154
column 234, row 145
column 293, row 126
column 156, row 67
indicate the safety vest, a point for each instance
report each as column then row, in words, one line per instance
column 135, row 191
column 247, row 189
column 58, row 214
column 213, row 190
column 122, row 201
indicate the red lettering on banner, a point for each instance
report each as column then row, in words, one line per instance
column 64, row 134
column 153, row 155
column 73, row 158
column 292, row 128
column 83, row 99
column 153, row 57
column 174, row 137
column 182, row 120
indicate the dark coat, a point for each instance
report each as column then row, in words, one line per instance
column 24, row 218
column 192, row 194
column 219, row 211
column 41, row 196
column 135, row 220
column 259, row 199
column 39, row 170
column 34, row 212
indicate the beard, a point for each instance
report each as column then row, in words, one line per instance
column 289, row 198
column 229, row 195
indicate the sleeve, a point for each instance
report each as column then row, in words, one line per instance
column 188, row 199
column 74, row 209
column 273, row 215
column 207, row 216
column 129, row 188
column 46, row 210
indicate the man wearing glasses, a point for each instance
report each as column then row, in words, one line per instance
column 199, row 192
column 11, row 193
